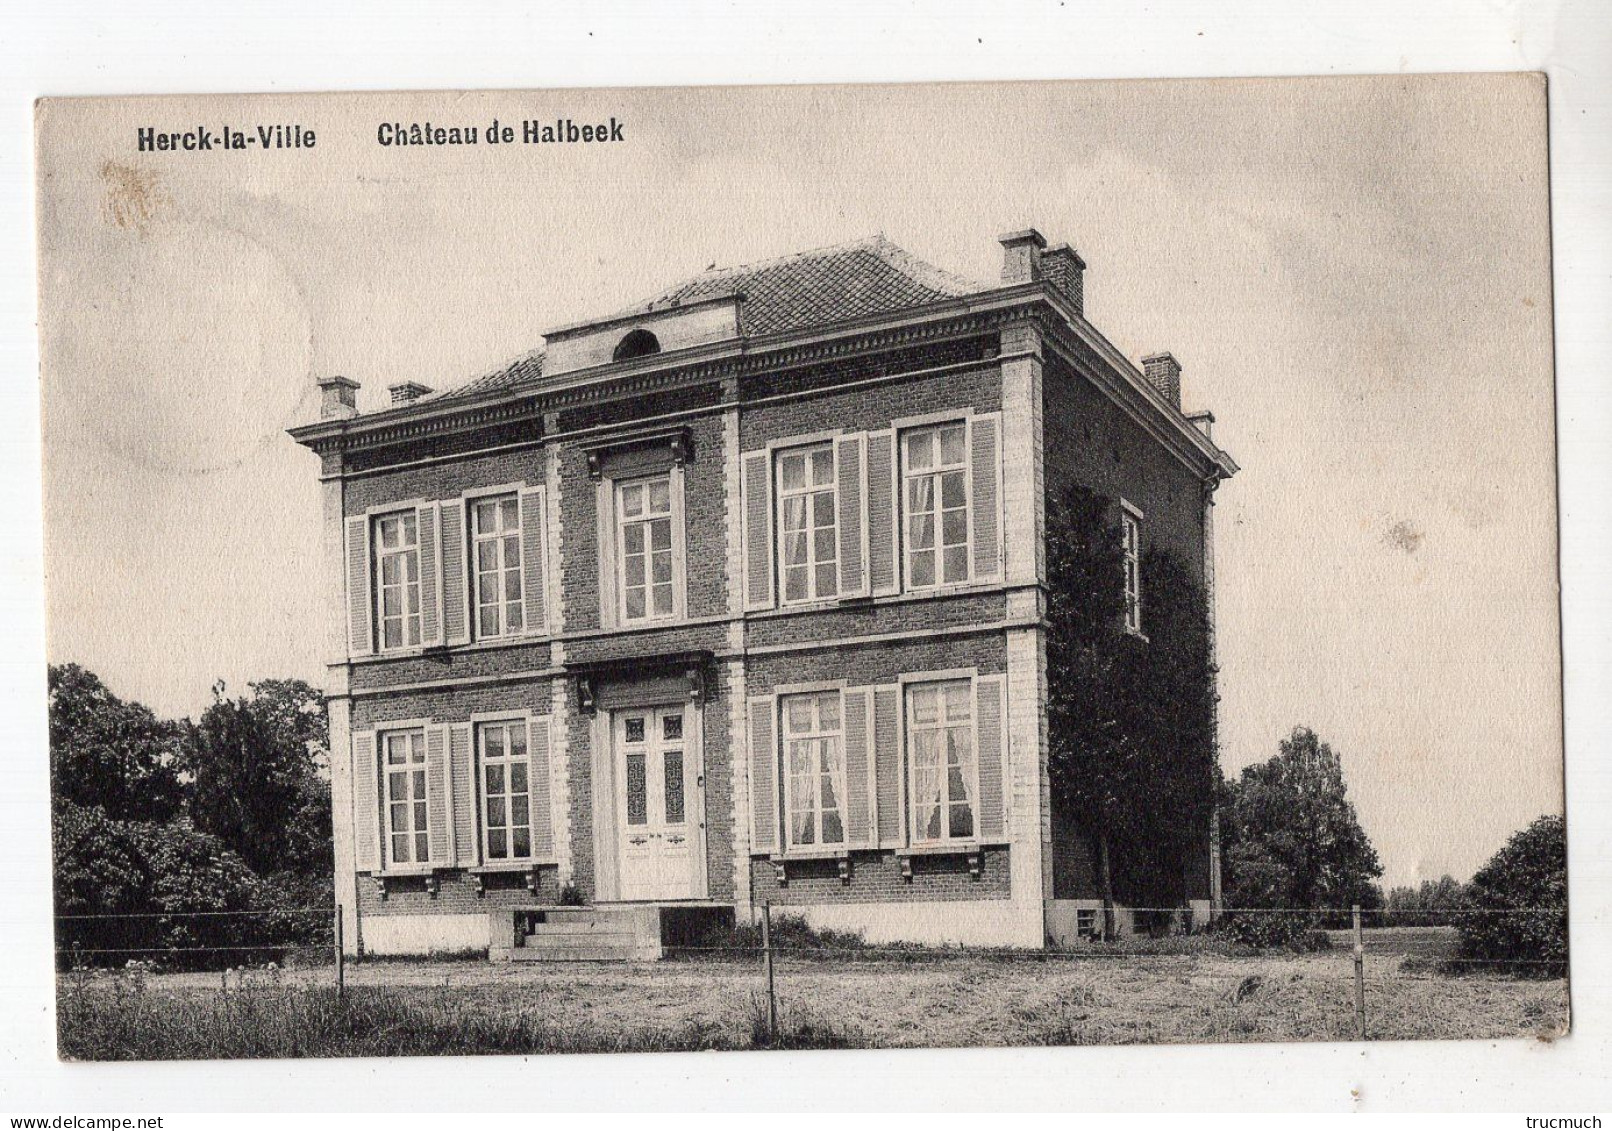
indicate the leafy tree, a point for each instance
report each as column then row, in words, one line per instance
column 1433, row 903
column 1130, row 721
column 1519, row 904
column 256, row 767
column 108, row 753
column 1291, row 839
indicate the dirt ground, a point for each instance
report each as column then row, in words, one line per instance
column 964, row 999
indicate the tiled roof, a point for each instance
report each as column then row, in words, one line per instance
column 809, row 288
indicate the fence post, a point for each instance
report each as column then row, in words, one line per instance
column 1360, row 977
column 766, row 952
column 341, row 959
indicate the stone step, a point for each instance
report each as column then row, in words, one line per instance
column 576, row 953
column 580, row 938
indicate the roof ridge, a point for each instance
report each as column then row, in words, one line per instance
column 780, row 260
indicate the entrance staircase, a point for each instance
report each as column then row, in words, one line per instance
column 575, row 934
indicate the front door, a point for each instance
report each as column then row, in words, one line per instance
column 654, row 812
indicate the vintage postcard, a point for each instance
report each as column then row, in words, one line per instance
column 640, row 569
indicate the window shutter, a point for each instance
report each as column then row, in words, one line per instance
column 462, row 776
column 763, row 776
column 882, row 512
column 990, row 744
column 758, row 552
column 366, row 803
column 850, row 474
column 543, row 816
column 428, row 518
column 889, row 794
column 534, row 573
column 436, row 795
column 985, row 454
column 455, row 585
column 857, row 706
column 360, row 637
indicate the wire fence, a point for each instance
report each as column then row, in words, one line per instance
column 258, row 949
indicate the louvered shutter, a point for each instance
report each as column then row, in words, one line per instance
column 860, row 831
column 534, row 571
column 758, row 553
column 428, row 519
column 985, row 458
column 360, row 636
column 763, row 776
column 882, row 513
column 889, row 795
column 990, row 735
column 455, row 584
column 544, row 818
column 436, row 795
column 850, row 474
column 462, row 776
column 366, row 803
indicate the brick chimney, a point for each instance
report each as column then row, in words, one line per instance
column 1064, row 269
column 1021, row 256
column 408, row 391
column 1163, row 372
column 338, row 398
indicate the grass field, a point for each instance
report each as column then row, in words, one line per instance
column 948, row 999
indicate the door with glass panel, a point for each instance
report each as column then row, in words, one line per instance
column 655, row 819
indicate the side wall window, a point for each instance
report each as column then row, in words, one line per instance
column 808, row 539
column 408, row 838
column 397, row 571
column 944, row 774
column 1131, row 544
column 495, row 539
column 934, row 470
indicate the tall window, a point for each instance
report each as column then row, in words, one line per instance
column 935, row 497
column 644, row 508
column 945, row 780
column 397, row 559
column 807, row 543
column 814, row 766
column 506, row 791
column 408, row 838
column 1131, row 543
column 495, row 531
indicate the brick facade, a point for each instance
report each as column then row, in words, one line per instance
column 926, row 348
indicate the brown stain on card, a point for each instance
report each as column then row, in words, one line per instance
column 133, row 195
column 1404, row 536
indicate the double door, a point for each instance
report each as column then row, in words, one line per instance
column 657, row 804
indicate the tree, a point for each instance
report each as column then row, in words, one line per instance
column 256, row 766
column 1290, row 836
column 1130, row 720
column 1519, row 905
column 107, row 753
column 1433, row 903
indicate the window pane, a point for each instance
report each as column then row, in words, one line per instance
column 512, row 586
column 419, row 783
column 925, row 705
column 951, row 489
column 801, row 829
column 400, row 848
column 957, row 700
column 673, row 762
column 829, row 711
column 951, row 444
column 798, row 714
column 660, row 496
column 920, row 450
column 522, row 843
column 833, row 829
column 637, row 797
column 493, row 737
column 497, row 815
column 496, row 844
column 663, row 600
column 632, row 500
column 956, row 783
column 635, row 604
column 795, row 512
column 823, row 510
column 511, row 513
column 826, row 586
column 792, row 470
column 795, row 548
column 660, row 534
column 408, row 530
column 923, row 568
column 662, row 572
column 517, row 778
column 392, row 637
column 962, row 820
column 512, row 552
column 957, row 563
column 400, row 815
column 822, row 467
column 486, row 517
column 795, row 584
column 515, row 617
column 954, row 527
column 487, row 621
column 823, row 544
column 520, row 812
column 921, row 494
column 632, row 538
column 495, row 781
column 635, row 570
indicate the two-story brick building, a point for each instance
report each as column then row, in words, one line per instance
column 734, row 597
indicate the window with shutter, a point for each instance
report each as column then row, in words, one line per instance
column 506, row 791
column 1130, row 521
column 808, row 540
column 396, row 540
column 814, row 769
column 498, row 584
column 935, row 475
column 942, row 768
column 408, row 836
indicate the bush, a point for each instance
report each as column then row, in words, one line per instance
column 1518, row 920
column 791, row 934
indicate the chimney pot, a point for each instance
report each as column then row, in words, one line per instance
column 1163, row 372
column 338, row 398
column 408, row 391
column 1065, row 270
column 1021, row 256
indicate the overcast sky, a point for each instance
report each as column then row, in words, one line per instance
column 1354, row 273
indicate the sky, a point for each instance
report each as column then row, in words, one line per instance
column 1354, row 273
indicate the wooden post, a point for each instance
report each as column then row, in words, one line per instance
column 766, row 951
column 1360, row 977
column 341, row 959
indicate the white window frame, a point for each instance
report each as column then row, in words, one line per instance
column 416, row 804
column 903, row 506
column 472, row 563
column 909, row 730
column 509, row 724
column 782, row 494
column 816, row 734
column 622, row 521
column 402, row 552
column 1130, row 527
